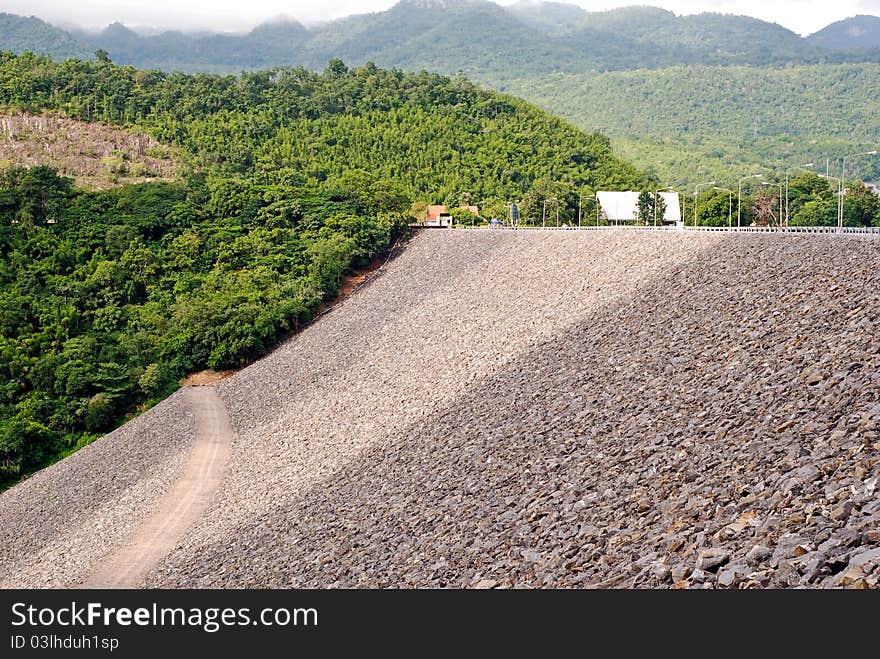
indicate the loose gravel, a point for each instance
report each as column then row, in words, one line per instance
column 544, row 409
column 60, row 523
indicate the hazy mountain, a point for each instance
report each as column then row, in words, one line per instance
column 856, row 33
column 446, row 36
column 18, row 34
column 486, row 41
column 272, row 44
column 551, row 17
column 647, row 37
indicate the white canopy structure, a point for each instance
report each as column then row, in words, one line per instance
column 623, row 206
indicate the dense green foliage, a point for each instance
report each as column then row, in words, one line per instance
column 108, row 298
column 659, row 99
column 694, row 124
column 812, row 201
column 432, row 136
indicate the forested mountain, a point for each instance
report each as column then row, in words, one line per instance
column 551, row 17
column 694, row 124
column 278, row 43
column 480, row 38
column 473, row 37
column 108, row 298
column 856, row 33
column 646, row 37
column 576, row 63
column 447, row 36
column 18, row 34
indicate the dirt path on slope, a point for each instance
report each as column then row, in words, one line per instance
column 182, row 505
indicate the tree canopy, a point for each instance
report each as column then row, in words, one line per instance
column 292, row 178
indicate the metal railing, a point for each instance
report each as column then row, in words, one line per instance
column 870, row 232
column 825, row 231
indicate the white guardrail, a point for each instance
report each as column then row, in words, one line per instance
column 869, row 232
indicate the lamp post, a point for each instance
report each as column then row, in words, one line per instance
column 776, row 185
column 656, row 197
column 580, row 206
column 842, row 202
column 739, row 198
column 787, row 174
column 544, row 212
column 697, row 197
column 729, row 205
column 839, row 191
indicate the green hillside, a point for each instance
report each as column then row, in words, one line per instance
column 480, row 38
column 18, row 34
column 550, row 17
column 697, row 123
column 108, row 298
column 856, row 33
column 469, row 36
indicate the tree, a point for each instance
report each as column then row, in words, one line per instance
column 714, row 209
column 418, row 210
column 102, row 56
column 651, row 208
column 816, row 213
column 462, row 217
column 862, row 206
column 765, row 206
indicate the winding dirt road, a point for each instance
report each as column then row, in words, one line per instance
column 182, row 505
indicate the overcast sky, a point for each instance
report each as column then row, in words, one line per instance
column 802, row 16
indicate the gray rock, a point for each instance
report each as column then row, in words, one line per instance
column 758, row 554
column 732, row 574
column 710, row 560
column 601, row 399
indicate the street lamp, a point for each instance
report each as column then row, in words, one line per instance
column 776, row 185
column 842, row 202
column 697, row 196
column 729, row 205
column 580, row 206
column 739, row 198
column 656, row 197
column 839, row 192
column 544, row 213
column 787, row 174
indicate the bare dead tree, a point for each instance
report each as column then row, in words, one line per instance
column 764, row 206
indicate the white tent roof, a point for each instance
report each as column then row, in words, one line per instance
column 623, row 206
column 619, row 206
column 673, row 207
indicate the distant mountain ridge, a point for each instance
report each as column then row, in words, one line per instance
column 856, row 33
column 20, row 33
column 480, row 38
